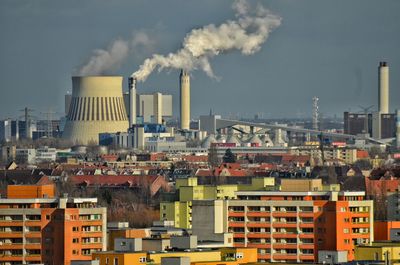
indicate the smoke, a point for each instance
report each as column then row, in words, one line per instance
column 105, row 61
column 247, row 33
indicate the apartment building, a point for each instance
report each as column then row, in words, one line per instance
column 37, row 228
column 289, row 226
column 180, row 211
column 222, row 256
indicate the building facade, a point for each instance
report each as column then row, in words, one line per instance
column 48, row 230
column 290, row 226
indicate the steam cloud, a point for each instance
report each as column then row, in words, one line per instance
column 104, row 61
column 247, row 33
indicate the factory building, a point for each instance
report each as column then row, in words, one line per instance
column 97, row 106
column 5, row 131
column 357, row 123
column 145, row 107
column 380, row 124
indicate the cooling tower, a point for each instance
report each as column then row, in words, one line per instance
column 383, row 88
column 184, row 79
column 97, row 106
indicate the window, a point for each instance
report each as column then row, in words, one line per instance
column 345, row 230
column 116, row 261
column 239, row 255
column 75, row 252
column 342, row 209
column 75, row 229
column 142, row 259
column 346, row 220
column 347, row 241
column 75, row 240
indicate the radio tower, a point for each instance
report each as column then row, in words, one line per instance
column 315, row 114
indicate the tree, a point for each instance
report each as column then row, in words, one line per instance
column 229, row 157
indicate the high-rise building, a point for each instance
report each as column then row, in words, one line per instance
column 184, row 84
column 289, row 226
column 36, row 227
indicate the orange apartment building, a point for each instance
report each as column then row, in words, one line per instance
column 37, row 228
column 289, row 226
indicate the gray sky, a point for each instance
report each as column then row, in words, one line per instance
column 329, row 49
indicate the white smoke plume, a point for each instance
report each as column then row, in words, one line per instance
column 247, row 33
column 104, row 61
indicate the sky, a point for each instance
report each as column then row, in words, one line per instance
column 329, row 49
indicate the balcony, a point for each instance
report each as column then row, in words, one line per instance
column 259, row 224
column 284, row 225
column 236, row 224
column 285, row 246
column 236, row 214
column 289, row 257
column 284, row 235
column 258, row 214
column 258, row 245
column 308, row 257
column 238, row 235
column 258, row 235
column 284, row 214
column 306, row 225
column 306, row 215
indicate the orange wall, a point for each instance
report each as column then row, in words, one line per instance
column 30, row 191
column 382, row 229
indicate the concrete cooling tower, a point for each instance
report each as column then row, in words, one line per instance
column 97, row 106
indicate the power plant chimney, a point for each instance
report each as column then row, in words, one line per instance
column 383, row 88
column 184, row 82
column 398, row 128
column 157, row 107
column 132, row 101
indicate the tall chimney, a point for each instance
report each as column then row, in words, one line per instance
column 132, row 101
column 383, row 88
column 184, row 82
column 398, row 128
column 157, row 108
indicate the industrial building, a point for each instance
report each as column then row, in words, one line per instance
column 145, row 107
column 380, row 124
column 97, row 106
column 289, row 226
column 38, row 228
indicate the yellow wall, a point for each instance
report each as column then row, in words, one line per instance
column 179, row 212
column 192, row 181
column 371, row 252
column 123, row 258
column 301, row 185
column 194, row 256
column 258, row 184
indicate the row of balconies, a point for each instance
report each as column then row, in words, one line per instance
column 288, row 209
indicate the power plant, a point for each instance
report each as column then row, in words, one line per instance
column 383, row 88
column 184, row 84
column 97, row 106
